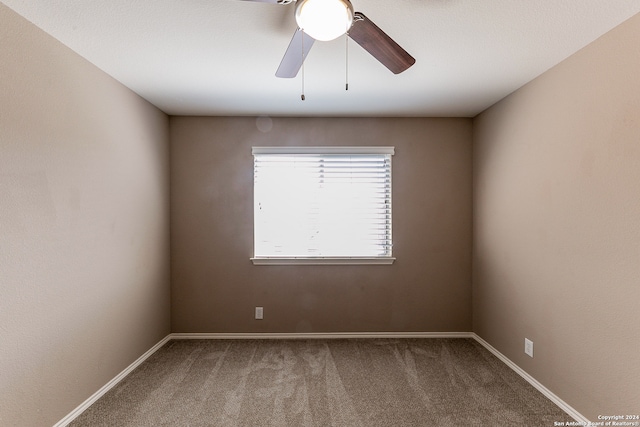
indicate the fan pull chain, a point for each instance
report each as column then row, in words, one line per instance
column 302, row 94
column 346, row 72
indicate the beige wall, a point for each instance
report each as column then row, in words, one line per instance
column 214, row 285
column 557, row 226
column 84, row 249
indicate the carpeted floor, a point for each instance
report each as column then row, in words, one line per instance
column 359, row 382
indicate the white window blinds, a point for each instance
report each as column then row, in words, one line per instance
column 316, row 202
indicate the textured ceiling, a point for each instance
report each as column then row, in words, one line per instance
column 219, row 57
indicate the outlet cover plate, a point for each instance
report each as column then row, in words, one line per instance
column 528, row 347
column 259, row 313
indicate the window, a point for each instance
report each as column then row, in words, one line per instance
column 322, row 205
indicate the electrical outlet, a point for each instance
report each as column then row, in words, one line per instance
column 528, row 347
column 259, row 313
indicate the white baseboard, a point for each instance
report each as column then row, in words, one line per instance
column 317, row 335
column 108, row 386
column 542, row 389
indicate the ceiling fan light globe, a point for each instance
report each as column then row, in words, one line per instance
column 324, row 20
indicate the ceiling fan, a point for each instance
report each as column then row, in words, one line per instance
column 328, row 19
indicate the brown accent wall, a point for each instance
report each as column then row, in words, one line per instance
column 215, row 287
column 84, row 239
column 557, row 226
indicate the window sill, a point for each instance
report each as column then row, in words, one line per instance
column 322, row 260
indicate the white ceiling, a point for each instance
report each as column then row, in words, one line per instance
column 219, row 57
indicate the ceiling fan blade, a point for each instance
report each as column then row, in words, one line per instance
column 294, row 56
column 379, row 44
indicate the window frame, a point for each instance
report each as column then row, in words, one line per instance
column 328, row 260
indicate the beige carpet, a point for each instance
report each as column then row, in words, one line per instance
column 363, row 382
